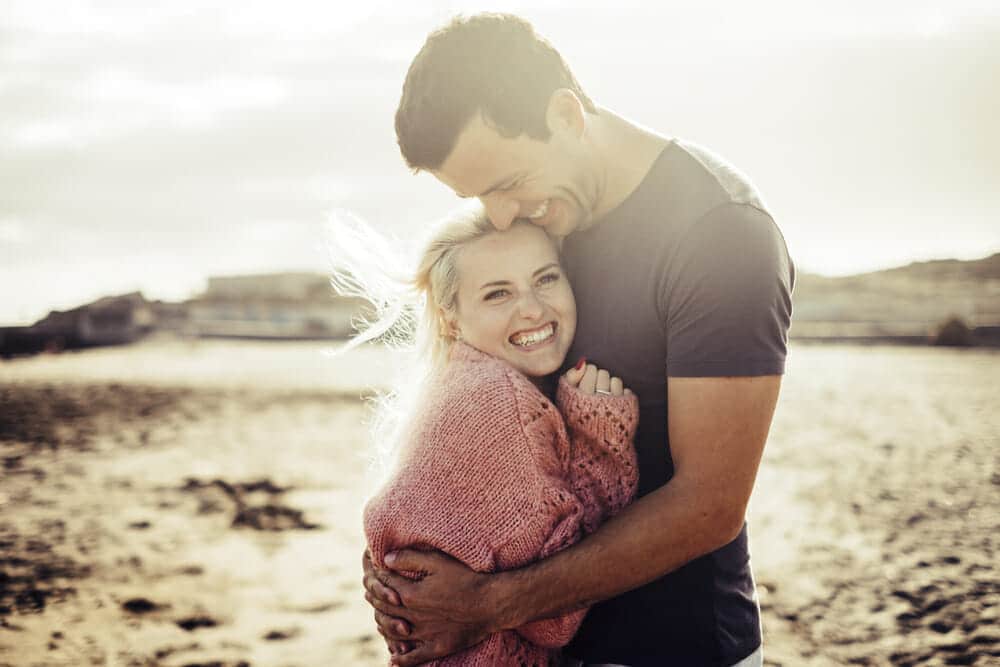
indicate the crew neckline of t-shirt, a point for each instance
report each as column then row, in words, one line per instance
column 623, row 205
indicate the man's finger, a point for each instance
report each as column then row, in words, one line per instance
column 388, row 609
column 390, row 627
column 411, row 560
column 418, row 656
column 380, row 591
column 399, row 648
column 373, row 584
column 399, row 585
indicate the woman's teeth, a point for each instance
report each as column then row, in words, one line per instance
column 540, row 212
column 533, row 338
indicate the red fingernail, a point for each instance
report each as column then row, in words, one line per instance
column 580, row 364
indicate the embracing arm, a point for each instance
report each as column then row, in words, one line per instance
column 718, row 427
column 726, row 311
column 717, row 430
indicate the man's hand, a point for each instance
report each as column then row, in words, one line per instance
column 446, row 611
column 375, row 590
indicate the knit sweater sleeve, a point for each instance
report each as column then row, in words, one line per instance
column 603, row 469
column 487, row 477
column 557, row 522
column 601, row 475
column 464, row 480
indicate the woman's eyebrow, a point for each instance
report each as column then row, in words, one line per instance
column 501, row 283
column 494, row 283
column 550, row 265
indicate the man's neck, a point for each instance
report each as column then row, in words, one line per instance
column 624, row 153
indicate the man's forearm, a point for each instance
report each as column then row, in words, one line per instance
column 655, row 535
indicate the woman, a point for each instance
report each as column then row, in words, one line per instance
column 489, row 469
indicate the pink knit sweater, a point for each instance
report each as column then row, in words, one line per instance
column 491, row 477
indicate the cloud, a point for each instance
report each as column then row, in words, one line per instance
column 59, row 19
column 115, row 102
column 13, row 232
column 211, row 139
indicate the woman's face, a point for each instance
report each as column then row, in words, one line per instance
column 514, row 302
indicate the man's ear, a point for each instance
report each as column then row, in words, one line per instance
column 565, row 113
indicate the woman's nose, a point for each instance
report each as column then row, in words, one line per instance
column 531, row 307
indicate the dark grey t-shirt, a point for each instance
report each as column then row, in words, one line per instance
column 688, row 277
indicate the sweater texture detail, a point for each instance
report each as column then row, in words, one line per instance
column 497, row 476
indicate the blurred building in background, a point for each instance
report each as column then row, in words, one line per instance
column 949, row 302
column 111, row 320
column 282, row 306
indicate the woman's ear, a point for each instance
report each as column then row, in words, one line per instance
column 448, row 326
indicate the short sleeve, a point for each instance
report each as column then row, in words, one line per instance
column 726, row 296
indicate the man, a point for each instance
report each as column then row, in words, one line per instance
column 683, row 287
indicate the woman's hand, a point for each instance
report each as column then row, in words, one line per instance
column 590, row 379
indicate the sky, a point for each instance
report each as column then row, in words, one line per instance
column 149, row 147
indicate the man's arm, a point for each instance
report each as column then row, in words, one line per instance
column 717, row 429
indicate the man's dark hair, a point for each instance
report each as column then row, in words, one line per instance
column 493, row 64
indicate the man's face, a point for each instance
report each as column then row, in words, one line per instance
column 546, row 182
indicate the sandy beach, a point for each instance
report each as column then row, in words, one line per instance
column 194, row 503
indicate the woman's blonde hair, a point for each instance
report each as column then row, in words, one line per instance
column 410, row 300
column 410, row 304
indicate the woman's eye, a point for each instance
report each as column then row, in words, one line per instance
column 495, row 294
column 549, row 278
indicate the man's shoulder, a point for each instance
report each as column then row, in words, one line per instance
column 686, row 183
column 734, row 183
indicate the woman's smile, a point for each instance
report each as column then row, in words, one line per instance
column 535, row 338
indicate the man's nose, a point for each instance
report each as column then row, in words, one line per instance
column 500, row 210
